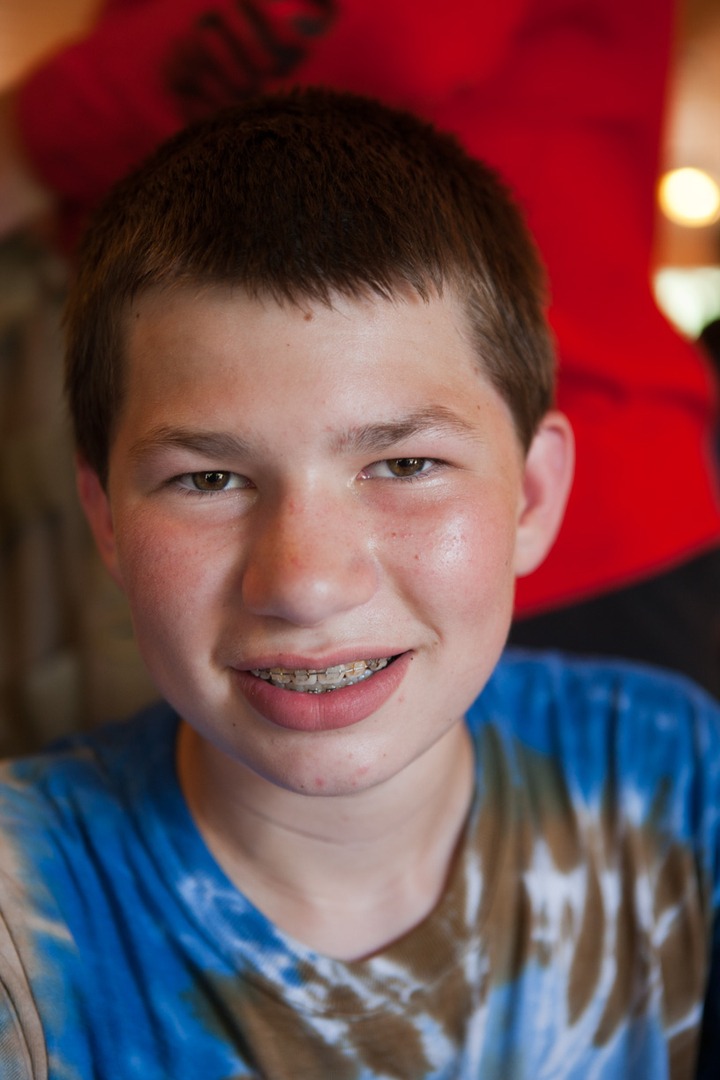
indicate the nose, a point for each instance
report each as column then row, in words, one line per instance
column 307, row 561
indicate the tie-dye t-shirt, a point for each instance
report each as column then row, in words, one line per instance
column 575, row 938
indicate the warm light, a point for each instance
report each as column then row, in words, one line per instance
column 689, row 296
column 689, row 197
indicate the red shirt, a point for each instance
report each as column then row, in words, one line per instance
column 566, row 98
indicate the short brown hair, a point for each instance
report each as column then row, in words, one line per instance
column 298, row 196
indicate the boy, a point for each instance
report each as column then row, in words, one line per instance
column 311, row 384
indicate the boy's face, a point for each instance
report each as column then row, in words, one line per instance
column 293, row 489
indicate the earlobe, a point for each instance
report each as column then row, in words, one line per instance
column 548, row 474
column 96, row 504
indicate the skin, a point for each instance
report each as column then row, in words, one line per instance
column 317, row 549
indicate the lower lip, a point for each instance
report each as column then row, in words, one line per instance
column 334, row 709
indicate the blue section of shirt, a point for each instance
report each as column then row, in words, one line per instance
column 139, row 949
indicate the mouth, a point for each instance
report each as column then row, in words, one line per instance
column 322, row 680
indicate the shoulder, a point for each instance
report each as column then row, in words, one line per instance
column 82, row 766
column 60, row 808
column 532, row 690
column 66, row 827
column 612, row 737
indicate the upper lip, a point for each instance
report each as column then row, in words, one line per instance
column 294, row 662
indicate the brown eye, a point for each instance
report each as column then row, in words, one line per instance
column 402, row 468
column 211, row 481
column 405, row 466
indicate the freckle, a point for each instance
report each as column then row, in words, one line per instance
column 308, row 316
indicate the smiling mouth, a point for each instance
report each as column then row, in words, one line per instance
column 321, row 680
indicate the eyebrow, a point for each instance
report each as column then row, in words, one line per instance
column 373, row 438
column 365, row 438
column 222, row 444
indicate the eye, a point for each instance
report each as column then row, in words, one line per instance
column 404, row 468
column 211, row 481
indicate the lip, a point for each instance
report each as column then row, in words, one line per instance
column 321, row 712
column 296, row 662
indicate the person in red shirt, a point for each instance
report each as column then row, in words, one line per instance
column 565, row 98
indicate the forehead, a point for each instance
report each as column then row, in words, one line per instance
column 227, row 319
column 224, row 357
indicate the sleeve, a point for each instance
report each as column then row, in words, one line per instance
column 709, row 1057
column 709, row 754
column 22, row 1044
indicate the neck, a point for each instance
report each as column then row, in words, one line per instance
column 344, row 874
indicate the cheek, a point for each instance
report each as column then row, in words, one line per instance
column 168, row 576
column 459, row 556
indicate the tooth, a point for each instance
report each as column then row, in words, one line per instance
column 319, row 680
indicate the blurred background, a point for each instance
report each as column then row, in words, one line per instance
column 687, row 274
column 67, row 659
column 688, row 255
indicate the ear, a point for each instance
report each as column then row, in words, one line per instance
column 96, row 504
column 548, row 474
